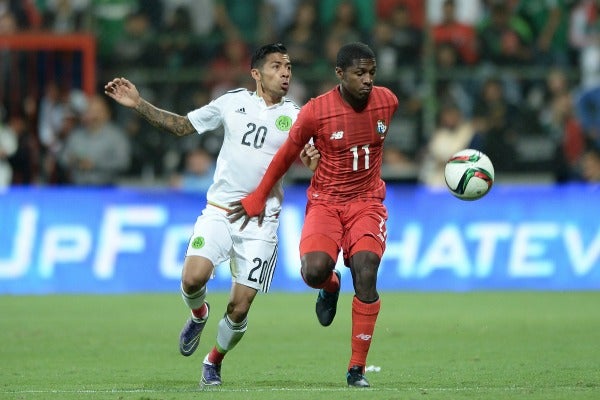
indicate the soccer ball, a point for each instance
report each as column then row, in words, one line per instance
column 469, row 174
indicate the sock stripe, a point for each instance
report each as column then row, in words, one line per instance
column 194, row 295
column 236, row 327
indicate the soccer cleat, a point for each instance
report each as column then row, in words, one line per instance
column 190, row 335
column 327, row 303
column 356, row 378
column 211, row 374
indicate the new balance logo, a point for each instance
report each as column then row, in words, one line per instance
column 363, row 336
column 241, row 110
column 337, row 135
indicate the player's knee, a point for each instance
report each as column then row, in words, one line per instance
column 315, row 276
column 189, row 285
column 316, row 268
column 237, row 312
column 192, row 282
column 194, row 276
column 364, row 269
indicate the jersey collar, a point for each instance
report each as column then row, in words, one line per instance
column 262, row 102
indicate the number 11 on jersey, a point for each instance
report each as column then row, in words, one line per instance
column 356, row 153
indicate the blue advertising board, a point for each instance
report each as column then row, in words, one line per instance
column 76, row 240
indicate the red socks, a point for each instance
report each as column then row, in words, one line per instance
column 332, row 284
column 200, row 312
column 215, row 356
column 364, row 316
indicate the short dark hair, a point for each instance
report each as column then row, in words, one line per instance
column 259, row 56
column 350, row 52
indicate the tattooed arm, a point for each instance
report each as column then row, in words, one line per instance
column 125, row 93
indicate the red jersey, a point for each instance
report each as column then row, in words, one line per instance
column 350, row 143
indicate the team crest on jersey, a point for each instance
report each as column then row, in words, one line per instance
column 198, row 242
column 283, row 123
column 381, row 127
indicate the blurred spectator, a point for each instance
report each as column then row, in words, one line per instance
column 303, row 37
column 494, row 118
column 8, row 147
column 197, row 172
column 54, row 111
column 587, row 106
column 281, row 14
column 8, row 22
column 548, row 21
column 247, row 20
column 415, row 10
column 460, row 35
column 566, row 129
column 504, row 38
column 137, row 46
column 201, row 12
column 584, row 37
column 346, row 23
column 556, row 89
column 229, row 70
column 452, row 133
column 55, row 172
column 328, row 56
column 449, row 89
column 590, row 165
column 176, row 43
column 387, row 54
column 8, row 60
column 24, row 161
column 109, row 24
column 25, row 13
column 466, row 12
column 345, row 14
column 154, row 10
column 65, row 16
column 97, row 152
column 406, row 38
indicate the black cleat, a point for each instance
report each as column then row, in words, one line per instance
column 327, row 303
column 356, row 378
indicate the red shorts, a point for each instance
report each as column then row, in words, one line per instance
column 352, row 227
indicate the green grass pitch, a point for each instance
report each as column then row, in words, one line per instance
column 480, row 345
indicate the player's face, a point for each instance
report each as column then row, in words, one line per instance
column 357, row 79
column 273, row 78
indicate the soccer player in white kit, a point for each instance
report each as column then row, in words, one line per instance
column 256, row 123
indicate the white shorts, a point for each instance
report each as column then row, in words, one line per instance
column 252, row 253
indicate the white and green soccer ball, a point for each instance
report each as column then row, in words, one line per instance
column 469, row 174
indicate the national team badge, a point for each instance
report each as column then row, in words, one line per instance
column 198, row 242
column 283, row 123
column 381, row 127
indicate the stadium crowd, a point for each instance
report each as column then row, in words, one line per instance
column 517, row 79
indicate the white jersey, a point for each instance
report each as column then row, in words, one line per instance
column 253, row 132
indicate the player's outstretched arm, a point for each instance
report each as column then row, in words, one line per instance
column 125, row 93
column 254, row 204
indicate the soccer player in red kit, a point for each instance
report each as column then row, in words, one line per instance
column 345, row 209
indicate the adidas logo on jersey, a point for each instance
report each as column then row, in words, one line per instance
column 337, row 135
column 241, row 110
